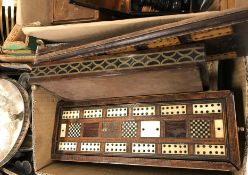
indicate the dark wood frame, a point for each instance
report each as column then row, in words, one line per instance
column 230, row 163
column 197, row 61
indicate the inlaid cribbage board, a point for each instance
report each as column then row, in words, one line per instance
column 196, row 130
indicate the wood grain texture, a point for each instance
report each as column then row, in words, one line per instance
column 227, row 159
column 236, row 18
column 111, row 130
column 167, row 70
column 176, row 129
column 212, row 33
column 63, row 12
column 118, row 5
column 91, row 130
column 119, row 83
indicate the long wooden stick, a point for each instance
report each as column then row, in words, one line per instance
column 12, row 8
column 7, row 20
column 16, row 59
column 1, row 22
column 146, row 37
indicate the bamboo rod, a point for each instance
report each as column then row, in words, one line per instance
column 12, row 8
column 1, row 22
column 7, row 20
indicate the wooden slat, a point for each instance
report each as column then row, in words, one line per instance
column 212, row 33
column 1, row 22
column 223, row 4
column 140, row 39
column 223, row 56
column 231, row 4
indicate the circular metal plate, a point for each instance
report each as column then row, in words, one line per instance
column 14, row 118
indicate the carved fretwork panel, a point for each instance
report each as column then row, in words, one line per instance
column 127, row 62
column 198, row 128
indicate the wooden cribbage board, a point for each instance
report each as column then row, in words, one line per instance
column 196, row 130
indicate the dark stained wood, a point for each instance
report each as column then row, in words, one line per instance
column 172, row 78
column 111, row 129
column 232, row 131
column 167, row 70
column 144, row 140
column 229, row 162
column 120, row 54
column 221, row 166
column 130, row 84
column 90, row 129
column 176, row 129
column 170, row 118
column 142, row 39
column 173, row 55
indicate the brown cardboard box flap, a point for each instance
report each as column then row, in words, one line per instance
column 43, row 112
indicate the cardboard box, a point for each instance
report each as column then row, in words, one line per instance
column 44, row 108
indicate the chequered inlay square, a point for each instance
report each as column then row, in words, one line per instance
column 129, row 129
column 200, row 129
column 74, row 130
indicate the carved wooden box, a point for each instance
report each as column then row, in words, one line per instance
column 157, row 71
column 193, row 130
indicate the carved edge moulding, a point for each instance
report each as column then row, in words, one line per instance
column 190, row 130
column 126, row 62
